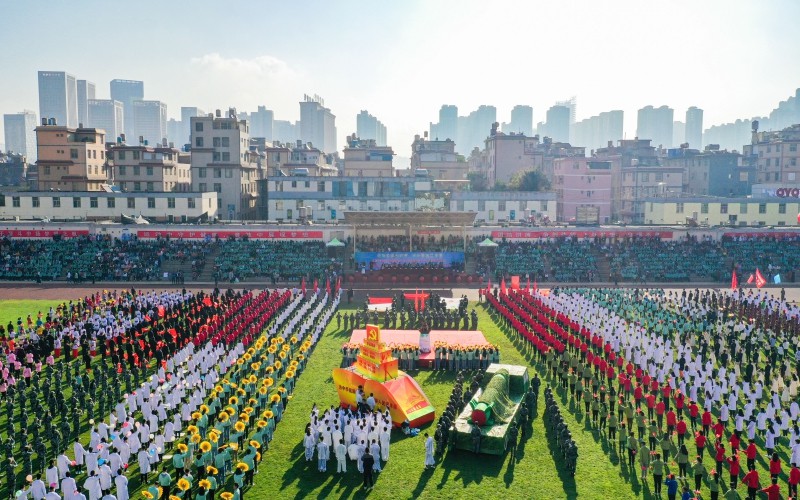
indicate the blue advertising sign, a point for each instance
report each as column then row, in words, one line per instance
column 390, row 259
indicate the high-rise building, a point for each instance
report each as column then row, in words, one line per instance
column 447, row 128
column 557, row 125
column 572, row 104
column 86, row 91
column 285, row 131
column 317, row 124
column 261, row 123
column 222, row 161
column 149, row 121
column 368, row 127
column 597, row 131
column 20, row 134
column 108, row 115
column 126, row 92
column 521, row 121
column 694, row 127
column 656, row 124
column 58, row 97
column 678, row 133
column 474, row 128
column 187, row 113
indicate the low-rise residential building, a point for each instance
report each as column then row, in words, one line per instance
column 583, row 190
column 775, row 155
column 221, row 161
column 71, row 159
column 148, row 168
column 438, row 158
column 498, row 207
column 711, row 172
column 364, row 158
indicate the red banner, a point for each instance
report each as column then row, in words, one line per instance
column 580, row 234
column 43, row 233
column 253, row 235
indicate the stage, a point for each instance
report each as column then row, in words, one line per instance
column 452, row 337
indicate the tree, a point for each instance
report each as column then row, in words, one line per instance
column 477, row 181
column 528, row 180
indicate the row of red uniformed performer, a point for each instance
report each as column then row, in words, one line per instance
column 581, row 359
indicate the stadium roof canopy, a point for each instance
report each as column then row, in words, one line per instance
column 441, row 219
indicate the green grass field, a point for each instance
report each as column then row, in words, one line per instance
column 10, row 310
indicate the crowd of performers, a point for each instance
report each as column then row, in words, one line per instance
column 662, row 373
column 179, row 392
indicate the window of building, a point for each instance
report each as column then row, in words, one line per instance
column 645, row 177
column 762, row 208
column 321, row 186
column 47, row 170
column 203, row 187
column 198, row 126
column 111, row 202
column 35, row 202
column 704, row 208
column 781, row 208
column 218, row 187
column 659, row 177
column 279, row 205
column 679, row 208
column 501, row 206
column 149, row 186
column 217, row 173
column 544, row 206
column 228, row 173
column 226, row 156
column 743, row 208
column 76, row 202
column 723, row 208
column 131, row 202
column 217, row 156
column 122, row 170
column 219, row 203
column 170, row 202
column 73, row 153
column 216, row 141
column 198, row 142
column 294, row 184
column 190, row 203
column 15, row 201
column 136, row 155
column 307, row 184
column 56, row 202
column 226, row 142
column 120, row 155
column 481, row 205
column 93, row 202
column 150, row 171
column 201, row 172
column 151, row 203
column 136, row 170
column 137, row 186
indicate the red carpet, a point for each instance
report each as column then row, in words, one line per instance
column 455, row 337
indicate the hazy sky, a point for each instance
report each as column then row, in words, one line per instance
column 402, row 60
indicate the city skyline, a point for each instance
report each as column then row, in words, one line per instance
column 405, row 84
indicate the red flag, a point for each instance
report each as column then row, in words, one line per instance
column 760, row 281
column 751, row 279
column 528, row 285
column 489, row 284
column 734, row 281
column 338, row 283
column 303, row 286
column 503, row 287
column 316, row 285
column 328, row 286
